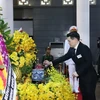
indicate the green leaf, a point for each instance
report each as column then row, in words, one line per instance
column 26, row 70
column 7, row 32
column 2, row 21
column 11, row 48
column 4, row 26
column 13, row 66
column 9, row 40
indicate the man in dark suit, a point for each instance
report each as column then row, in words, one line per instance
column 82, row 57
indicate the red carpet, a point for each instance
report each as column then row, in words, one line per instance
column 79, row 96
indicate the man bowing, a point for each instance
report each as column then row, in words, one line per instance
column 82, row 57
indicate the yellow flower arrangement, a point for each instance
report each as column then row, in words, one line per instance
column 23, row 54
column 57, row 88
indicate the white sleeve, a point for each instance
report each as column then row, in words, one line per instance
column 66, row 46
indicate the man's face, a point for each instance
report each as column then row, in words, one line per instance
column 72, row 42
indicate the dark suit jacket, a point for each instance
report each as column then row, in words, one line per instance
column 83, row 62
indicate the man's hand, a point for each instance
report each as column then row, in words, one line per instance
column 47, row 63
column 75, row 74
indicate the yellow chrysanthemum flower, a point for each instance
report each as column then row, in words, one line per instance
column 23, row 52
column 58, row 89
column 21, row 61
column 14, row 56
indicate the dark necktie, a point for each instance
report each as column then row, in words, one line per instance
column 73, row 51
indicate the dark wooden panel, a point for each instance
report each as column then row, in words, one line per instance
column 51, row 23
column 94, row 29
